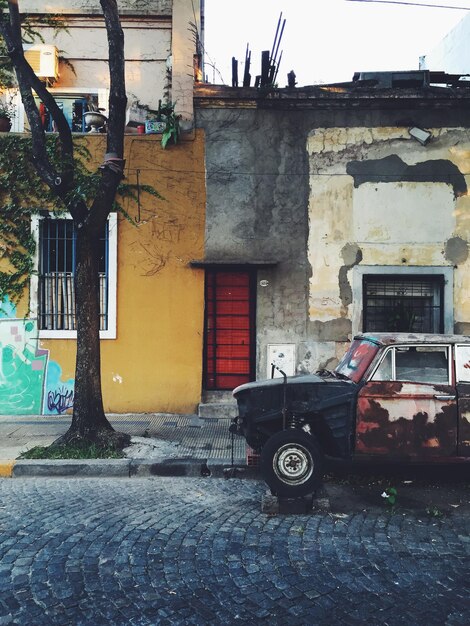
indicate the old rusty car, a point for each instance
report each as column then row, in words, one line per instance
column 402, row 397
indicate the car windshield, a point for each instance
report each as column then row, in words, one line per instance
column 357, row 359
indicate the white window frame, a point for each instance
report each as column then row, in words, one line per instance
column 111, row 331
column 462, row 357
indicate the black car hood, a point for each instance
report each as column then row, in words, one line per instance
column 276, row 382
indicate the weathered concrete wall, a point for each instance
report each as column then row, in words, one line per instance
column 323, row 189
column 257, row 196
column 379, row 198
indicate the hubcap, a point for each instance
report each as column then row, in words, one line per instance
column 293, row 464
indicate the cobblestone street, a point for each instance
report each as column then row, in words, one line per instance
column 199, row 551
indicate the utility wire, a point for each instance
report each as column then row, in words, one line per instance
column 413, row 4
column 215, row 172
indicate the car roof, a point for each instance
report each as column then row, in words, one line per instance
column 387, row 339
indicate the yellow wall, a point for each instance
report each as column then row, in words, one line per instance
column 155, row 363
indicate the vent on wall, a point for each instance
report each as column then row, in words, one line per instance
column 44, row 60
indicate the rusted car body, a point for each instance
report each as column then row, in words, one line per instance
column 404, row 397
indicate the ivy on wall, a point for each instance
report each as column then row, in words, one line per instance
column 23, row 194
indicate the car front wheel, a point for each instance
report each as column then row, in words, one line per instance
column 291, row 463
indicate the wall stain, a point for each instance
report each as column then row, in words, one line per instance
column 456, row 250
column 393, row 169
column 462, row 328
column 352, row 255
column 339, row 329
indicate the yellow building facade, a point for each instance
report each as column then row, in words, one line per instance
column 154, row 361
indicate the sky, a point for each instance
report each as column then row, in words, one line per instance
column 324, row 40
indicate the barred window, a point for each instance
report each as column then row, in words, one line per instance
column 403, row 304
column 57, row 258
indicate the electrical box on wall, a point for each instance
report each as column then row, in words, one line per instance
column 283, row 357
column 44, row 59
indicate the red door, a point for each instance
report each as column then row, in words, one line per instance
column 229, row 329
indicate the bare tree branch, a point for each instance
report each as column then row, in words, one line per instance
column 113, row 166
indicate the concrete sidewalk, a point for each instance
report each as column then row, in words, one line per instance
column 162, row 444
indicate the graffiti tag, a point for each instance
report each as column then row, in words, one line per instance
column 60, row 400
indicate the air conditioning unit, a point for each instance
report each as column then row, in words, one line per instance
column 44, row 60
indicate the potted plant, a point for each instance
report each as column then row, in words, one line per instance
column 94, row 119
column 166, row 122
column 6, row 113
column 171, row 130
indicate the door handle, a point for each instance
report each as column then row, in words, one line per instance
column 445, row 397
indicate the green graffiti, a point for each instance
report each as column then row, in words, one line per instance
column 22, row 368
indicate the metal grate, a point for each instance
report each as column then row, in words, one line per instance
column 57, row 258
column 398, row 304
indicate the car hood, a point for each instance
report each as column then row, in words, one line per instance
column 276, row 382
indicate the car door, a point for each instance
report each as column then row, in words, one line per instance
column 462, row 370
column 408, row 407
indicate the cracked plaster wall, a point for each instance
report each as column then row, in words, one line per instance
column 383, row 218
column 278, row 189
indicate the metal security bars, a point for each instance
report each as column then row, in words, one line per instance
column 229, row 329
column 56, row 290
column 404, row 304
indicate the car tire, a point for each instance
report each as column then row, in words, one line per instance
column 291, row 463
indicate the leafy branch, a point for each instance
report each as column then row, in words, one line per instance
column 23, row 194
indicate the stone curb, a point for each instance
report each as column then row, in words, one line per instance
column 124, row 468
column 71, row 467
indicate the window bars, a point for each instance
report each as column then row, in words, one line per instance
column 403, row 304
column 57, row 259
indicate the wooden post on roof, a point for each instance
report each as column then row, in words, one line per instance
column 264, row 68
column 247, row 75
column 234, row 72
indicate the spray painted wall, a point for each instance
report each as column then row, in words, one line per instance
column 30, row 382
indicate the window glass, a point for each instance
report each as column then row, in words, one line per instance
column 73, row 108
column 384, row 371
column 426, row 364
column 462, row 363
column 357, row 359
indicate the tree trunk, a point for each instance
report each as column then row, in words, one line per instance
column 89, row 422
